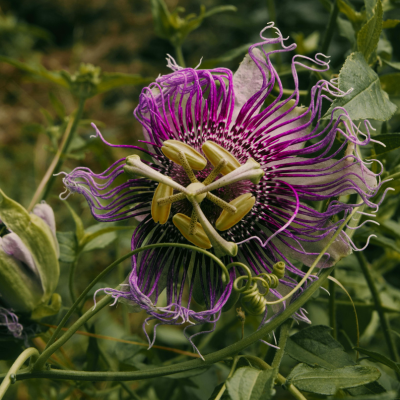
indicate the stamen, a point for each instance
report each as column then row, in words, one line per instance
column 251, row 171
column 220, row 245
column 193, row 223
column 214, row 152
column 134, row 166
column 243, row 204
column 221, row 203
column 215, row 172
column 200, row 238
column 184, row 162
column 171, row 199
column 171, row 149
column 160, row 213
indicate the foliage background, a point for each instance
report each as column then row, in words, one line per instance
column 119, row 36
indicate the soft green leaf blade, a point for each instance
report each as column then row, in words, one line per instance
column 347, row 9
column 68, row 246
column 391, row 84
column 392, row 395
column 219, row 9
column 113, row 80
column 380, row 358
column 100, row 242
column 367, row 99
column 251, row 384
column 316, row 346
column 393, row 64
column 390, row 140
column 390, row 23
column 161, row 19
column 126, row 352
column 321, row 381
column 368, row 36
column 39, row 70
column 100, row 229
column 79, row 228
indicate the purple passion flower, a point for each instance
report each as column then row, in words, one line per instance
column 232, row 169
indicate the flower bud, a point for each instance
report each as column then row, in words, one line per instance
column 243, row 204
column 171, row 149
column 214, row 153
column 200, row 238
column 29, row 268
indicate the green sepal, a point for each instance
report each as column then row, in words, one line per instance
column 46, row 310
column 37, row 237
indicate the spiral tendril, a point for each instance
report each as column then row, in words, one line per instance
column 252, row 300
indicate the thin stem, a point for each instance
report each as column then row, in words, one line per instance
column 179, row 56
column 117, row 262
column 74, row 327
column 280, row 378
column 19, row 362
column 71, row 280
column 58, row 159
column 330, row 28
column 283, row 336
column 231, row 372
column 209, row 359
column 332, row 307
column 378, row 305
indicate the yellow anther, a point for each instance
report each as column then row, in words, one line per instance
column 171, row 149
column 243, row 204
column 279, row 269
column 215, row 153
column 159, row 213
column 199, row 238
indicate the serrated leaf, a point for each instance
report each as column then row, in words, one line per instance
column 390, row 140
column 68, row 246
column 251, row 384
column 316, row 346
column 368, row 36
column 321, row 381
column 380, row 358
column 367, row 99
column 390, row 23
column 391, row 84
column 112, row 80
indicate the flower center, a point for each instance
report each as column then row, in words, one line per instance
column 197, row 229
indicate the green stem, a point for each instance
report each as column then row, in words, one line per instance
column 209, row 359
column 378, row 305
column 71, row 279
column 283, row 336
column 280, row 378
column 113, row 265
column 179, row 56
column 330, row 28
column 231, row 372
column 332, row 307
column 64, row 147
column 48, row 351
column 19, row 362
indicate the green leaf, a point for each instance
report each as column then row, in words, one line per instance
column 346, row 30
column 347, row 9
column 79, row 229
column 392, row 395
column 391, row 84
column 226, row 57
column 393, row 64
column 39, row 70
column 219, row 9
column 321, row 381
column 216, row 391
column 367, row 100
column 95, row 231
column 380, row 358
column 112, row 80
column 251, row 384
column 68, row 246
column 390, row 140
column 316, row 346
column 368, row 36
column 100, row 242
column 390, row 23
column 126, row 352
